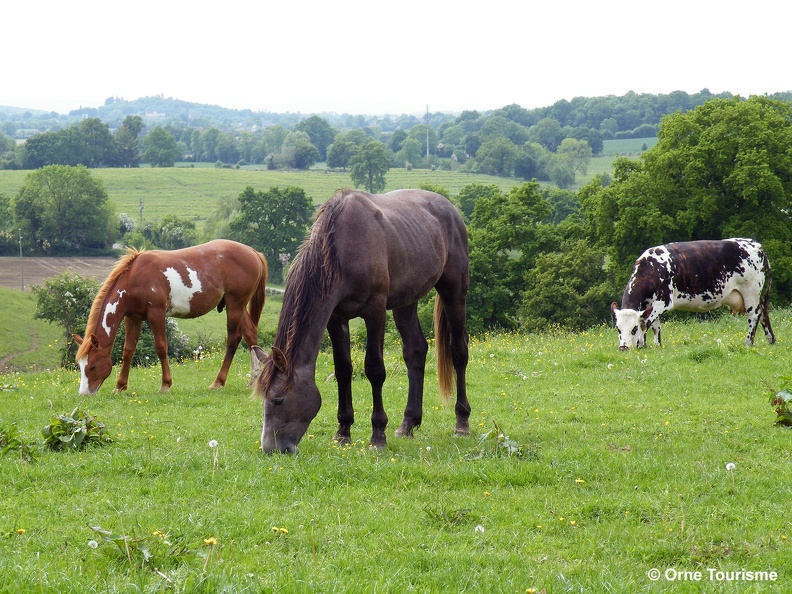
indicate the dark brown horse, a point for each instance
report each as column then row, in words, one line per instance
column 152, row 285
column 366, row 254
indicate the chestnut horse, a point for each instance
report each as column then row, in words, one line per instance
column 152, row 285
column 365, row 254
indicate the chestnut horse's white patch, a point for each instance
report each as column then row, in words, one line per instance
column 84, row 391
column 181, row 294
column 110, row 308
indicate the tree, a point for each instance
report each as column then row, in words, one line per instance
column 577, row 153
column 273, row 222
column 497, row 157
column 63, row 209
column 507, row 233
column 320, row 132
column 471, row 193
column 340, row 152
column 66, row 300
column 160, row 148
column 100, row 144
column 298, row 151
column 127, row 143
column 369, row 166
column 171, row 233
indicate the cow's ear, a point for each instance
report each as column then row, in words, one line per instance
column 614, row 309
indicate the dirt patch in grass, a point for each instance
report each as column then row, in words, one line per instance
column 37, row 270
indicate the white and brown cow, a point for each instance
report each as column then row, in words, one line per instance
column 695, row 276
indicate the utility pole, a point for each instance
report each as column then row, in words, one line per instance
column 21, row 263
column 427, row 135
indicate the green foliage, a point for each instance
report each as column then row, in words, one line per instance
column 274, row 222
column 171, row 233
column 320, row 133
column 496, row 444
column 75, row 431
column 160, row 149
column 369, row 166
column 567, row 288
column 12, row 443
column 63, row 209
column 66, row 300
column 781, row 402
column 155, row 551
column 298, row 151
column 507, row 233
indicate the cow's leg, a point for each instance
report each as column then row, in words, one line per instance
column 656, row 331
column 765, row 317
column 342, row 362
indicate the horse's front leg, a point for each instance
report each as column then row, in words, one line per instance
column 414, row 349
column 159, row 330
column 342, row 361
column 132, row 334
column 375, row 372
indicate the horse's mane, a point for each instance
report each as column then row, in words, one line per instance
column 311, row 277
column 119, row 270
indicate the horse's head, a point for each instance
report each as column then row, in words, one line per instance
column 291, row 401
column 95, row 363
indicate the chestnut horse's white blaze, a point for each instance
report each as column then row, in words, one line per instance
column 180, row 293
column 147, row 286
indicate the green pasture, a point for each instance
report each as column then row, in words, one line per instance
column 587, row 468
column 195, row 192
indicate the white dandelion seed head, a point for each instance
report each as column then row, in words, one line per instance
column 93, row 544
column 730, row 466
column 213, row 443
column 479, row 529
column 610, row 365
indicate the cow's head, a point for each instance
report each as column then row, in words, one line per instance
column 632, row 325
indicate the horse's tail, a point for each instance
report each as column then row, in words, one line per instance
column 260, row 295
column 445, row 368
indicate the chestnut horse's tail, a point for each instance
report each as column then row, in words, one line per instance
column 445, row 368
column 260, row 296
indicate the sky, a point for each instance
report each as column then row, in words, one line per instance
column 363, row 57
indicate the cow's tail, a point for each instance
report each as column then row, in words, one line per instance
column 260, row 294
column 445, row 367
column 768, row 282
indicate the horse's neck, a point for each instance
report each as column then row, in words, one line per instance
column 112, row 311
column 303, row 348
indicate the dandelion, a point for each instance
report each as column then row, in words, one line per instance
column 20, row 530
column 610, row 365
column 93, row 544
column 580, row 481
column 211, row 541
column 213, row 443
column 479, row 529
column 730, row 466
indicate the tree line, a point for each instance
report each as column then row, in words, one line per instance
column 552, row 144
column 540, row 256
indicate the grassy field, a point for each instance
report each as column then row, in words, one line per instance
column 612, row 464
column 204, row 187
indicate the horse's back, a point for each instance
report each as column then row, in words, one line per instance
column 406, row 239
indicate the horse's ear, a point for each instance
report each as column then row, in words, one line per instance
column 280, row 361
column 94, row 341
column 260, row 353
column 78, row 339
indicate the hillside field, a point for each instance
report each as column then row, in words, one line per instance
column 167, row 190
column 588, row 469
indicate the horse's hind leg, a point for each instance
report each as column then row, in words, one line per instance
column 454, row 306
column 132, row 334
column 342, row 362
column 414, row 348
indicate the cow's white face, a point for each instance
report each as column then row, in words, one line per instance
column 632, row 325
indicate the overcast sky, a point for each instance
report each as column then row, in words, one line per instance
column 364, row 57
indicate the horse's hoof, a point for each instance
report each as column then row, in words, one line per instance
column 342, row 439
column 462, row 432
column 378, row 445
column 404, row 432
